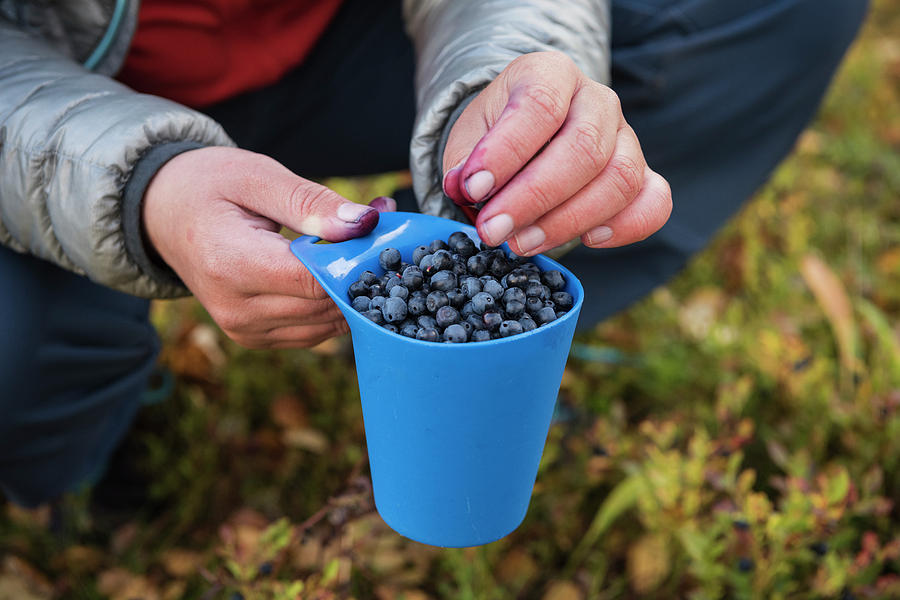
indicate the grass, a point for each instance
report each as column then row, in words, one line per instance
column 736, row 434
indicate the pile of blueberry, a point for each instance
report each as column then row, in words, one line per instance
column 454, row 292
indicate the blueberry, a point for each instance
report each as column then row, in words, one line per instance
column 376, row 290
column 482, row 302
column 443, row 280
column 393, row 280
column 394, row 310
column 377, row 302
column 820, row 548
column 481, row 335
column 409, row 330
column 426, row 265
column 468, row 327
column 361, row 303
column 550, row 304
column 455, row 333
column 475, row 321
column 428, row 334
column 416, row 306
column 467, row 310
column 527, row 323
column 358, row 288
column 517, row 278
column 436, row 300
column 419, row 253
column 561, row 313
column 516, row 259
column 391, row 327
column 438, row 245
column 446, row 316
column 470, row 286
column 477, row 265
column 553, row 280
column 465, row 248
column 533, row 304
column 515, row 309
column 508, row 328
column 563, row 300
column 456, row 237
column 545, row 315
column 459, row 269
column 745, row 565
column 399, row 291
column 368, row 278
column 389, row 259
column 534, row 289
column 442, row 260
column 514, row 293
column 493, row 288
column 492, row 320
column 427, row 322
column 375, row 316
column 457, row 299
column 412, row 277
column 501, row 266
column 741, row 524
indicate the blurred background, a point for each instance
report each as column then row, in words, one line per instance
column 734, row 435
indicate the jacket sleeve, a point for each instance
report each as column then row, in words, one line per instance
column 462, row 45
column 70, row 142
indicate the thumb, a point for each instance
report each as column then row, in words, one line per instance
column 273, row 191
column 468, row 129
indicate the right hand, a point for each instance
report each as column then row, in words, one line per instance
column 214, row 215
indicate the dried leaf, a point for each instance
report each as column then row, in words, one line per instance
column 516, row 567
column 121, row 584
column 78, row 559
column 306, row 439
column 832, row 297
column 563, row 590
column 648, row 563
column 20, row 581
column 288, row 412
column 179, row 562
column 700, row 311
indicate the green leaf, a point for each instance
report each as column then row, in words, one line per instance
column 620, row 499
column 838, row 486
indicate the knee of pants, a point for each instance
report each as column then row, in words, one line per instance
column 74, row 361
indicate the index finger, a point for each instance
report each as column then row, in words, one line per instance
column 264, row 264
column 537, row 104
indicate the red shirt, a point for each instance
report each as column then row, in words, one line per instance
column 198, row 52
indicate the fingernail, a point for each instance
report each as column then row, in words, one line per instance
column 451, row 171
column 479, row 184
column 497, row 229
column 383, row 204
column 350, row 212
column 530, row 238
column 598, row 235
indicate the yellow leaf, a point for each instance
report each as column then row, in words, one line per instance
column 307, row 439
column 121, row 584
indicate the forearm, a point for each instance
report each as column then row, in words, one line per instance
column 462, row 46
column 69, row 143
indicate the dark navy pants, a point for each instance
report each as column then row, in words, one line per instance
column 716, row 91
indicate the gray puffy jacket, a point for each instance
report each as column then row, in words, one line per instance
column 71, row 137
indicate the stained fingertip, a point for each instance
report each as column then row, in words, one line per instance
column 384, row 204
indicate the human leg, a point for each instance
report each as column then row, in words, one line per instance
column 74, row 362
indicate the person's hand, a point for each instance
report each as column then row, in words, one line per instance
column 553, row 153
column 214, row 215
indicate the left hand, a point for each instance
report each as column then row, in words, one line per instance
column 551, row 150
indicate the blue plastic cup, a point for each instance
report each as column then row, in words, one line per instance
column 455, row 432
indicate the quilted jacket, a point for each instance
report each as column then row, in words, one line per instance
column 71, row 136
